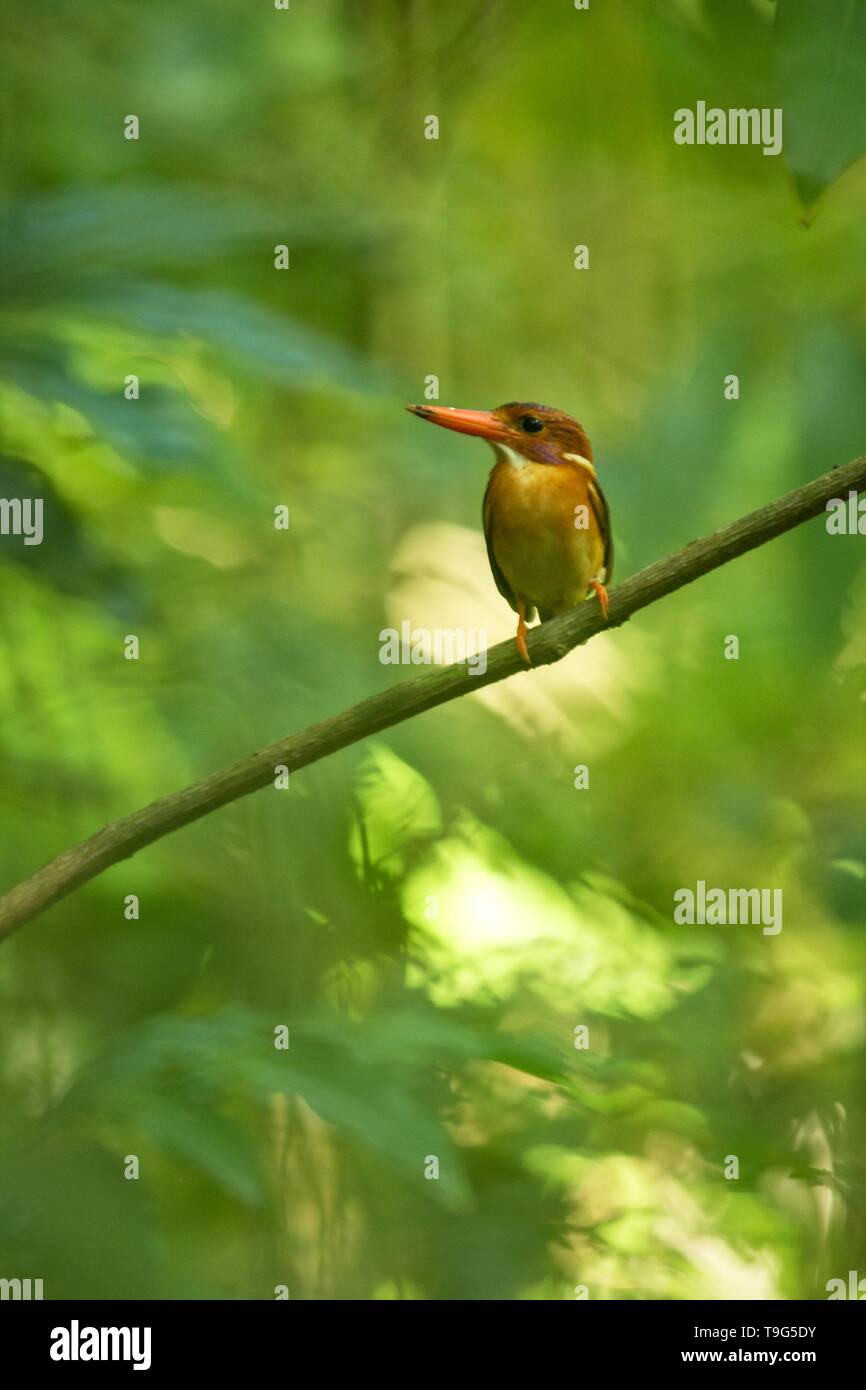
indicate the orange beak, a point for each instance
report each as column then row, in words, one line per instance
column 480, row 422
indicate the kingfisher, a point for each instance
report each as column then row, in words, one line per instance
column 546, row 520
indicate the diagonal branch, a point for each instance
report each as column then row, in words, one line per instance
column 548, row 643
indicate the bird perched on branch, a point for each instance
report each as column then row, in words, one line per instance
column 546, row 521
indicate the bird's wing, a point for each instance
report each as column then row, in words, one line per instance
column 487, row 511
column 601, row 512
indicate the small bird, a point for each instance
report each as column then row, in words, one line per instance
column 546, row 520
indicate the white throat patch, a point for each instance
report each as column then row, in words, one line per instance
column 509, row 455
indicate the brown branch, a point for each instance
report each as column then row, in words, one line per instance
column 550, row 642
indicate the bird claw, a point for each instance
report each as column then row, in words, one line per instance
column 521, row 639
column 601, row 594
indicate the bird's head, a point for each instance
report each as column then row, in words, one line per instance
column 537, row 433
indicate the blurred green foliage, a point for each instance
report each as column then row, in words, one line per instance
column 432, row 915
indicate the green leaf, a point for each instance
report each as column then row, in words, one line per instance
column 93, row 233
column 269, row 343
column 202, row 1137
column 397, row 809
column 820, row 65
column 161, row 428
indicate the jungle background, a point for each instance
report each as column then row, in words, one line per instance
column 432, row 914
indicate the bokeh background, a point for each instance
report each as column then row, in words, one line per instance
column 433, row 913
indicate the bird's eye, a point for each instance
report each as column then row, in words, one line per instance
column 531, row 424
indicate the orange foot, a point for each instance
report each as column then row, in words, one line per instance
column 521, row 634
column 601, row 591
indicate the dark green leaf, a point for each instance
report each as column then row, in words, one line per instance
column 821, row 70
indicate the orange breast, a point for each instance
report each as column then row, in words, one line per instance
column 543, row 533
